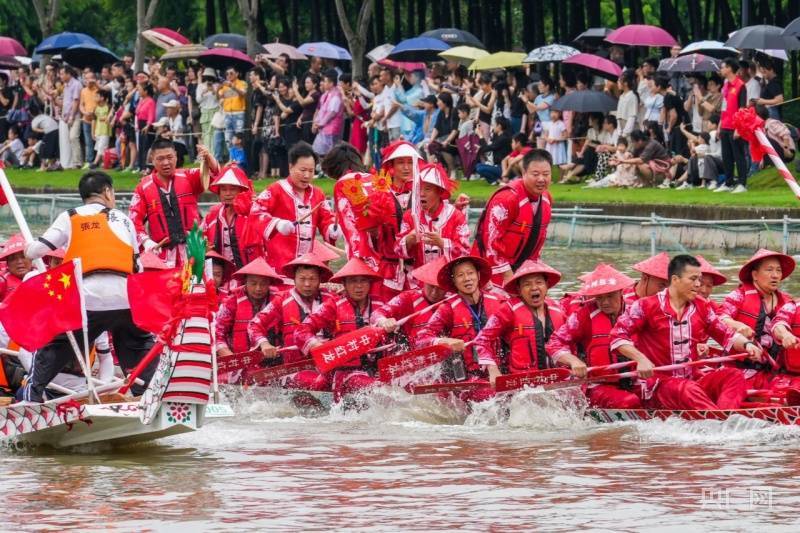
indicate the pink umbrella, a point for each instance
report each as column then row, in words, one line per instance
column 222, row 58
column 11, row 47
column 275, row 49
column 641, row 35
column 591, row 61
column 408, row 66
column 164, row 37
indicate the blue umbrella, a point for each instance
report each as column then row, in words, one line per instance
column 55, row 44
column 418, row 49
column 325, row 50
column 88, row 55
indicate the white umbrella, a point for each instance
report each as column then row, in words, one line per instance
column 379, row 52
column 710, row 48
column 550, row 53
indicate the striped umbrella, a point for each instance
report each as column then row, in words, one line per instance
column 164, row 37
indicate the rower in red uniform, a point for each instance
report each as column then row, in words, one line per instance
column 222, row 273
column 750, row 308
column 164, row 203
column 17, row 265
column 236, row 311
column 711, row 278
column 411, row 301
column 461, row 319
column 653, row 278
column 443, row 229
column 523, row 324
column 225, row 224
column 276, row 324
column 340, row 315
column 513, row 226
column 586, row 332
column 290, row 212
column 664, row 329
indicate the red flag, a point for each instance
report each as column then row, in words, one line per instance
column 44, row 306
column 152, row 295
column 344, row 348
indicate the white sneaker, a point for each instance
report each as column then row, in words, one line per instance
column 723, row 188
column 739, row 188
column 713, row 185
column 664, row 185
column 684, row 186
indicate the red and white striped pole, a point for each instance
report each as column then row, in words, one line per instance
column 778, row 162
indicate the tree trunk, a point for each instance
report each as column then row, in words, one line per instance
column 329, row 31
column 457, row 13
column 695, row 23
column 249, row 12
column 261, row 23
column 445, row 20
column 556, row 23
column 564, row 20
column 211, row 18
column 486, row 20
column 144, row 21
column 436, row 14
column 529, row 29
column 619, row 11
column 508, row 31
column 398, row 29
column 356, row 39
column 380, row 23
column 576, row 18
column 286, row 32
column 472, row 19
column 46, row 14
column 412, row 17
column 223, row 16
column 422, row 7
column 727, row 22
column 594, row 17
column 316, row 23
column 636, row 15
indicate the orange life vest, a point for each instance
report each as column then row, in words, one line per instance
column 524, row 352
column 96, row 244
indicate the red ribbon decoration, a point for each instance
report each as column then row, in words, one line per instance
column 63, row 410
column 746, row 122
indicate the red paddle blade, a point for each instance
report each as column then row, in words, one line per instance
column 395, row 366
column 462, row 386
column 344, row 348
column 266, row 375
column 238, row 361
column 533, row 378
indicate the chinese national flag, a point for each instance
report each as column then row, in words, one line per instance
column 44, row 306
column 344, row 348
column 152, row 295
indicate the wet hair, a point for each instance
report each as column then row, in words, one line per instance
column 503, row 122
column 705, row 136
column 105, row 94
column 610, row 119
column 93, row 183
column 446, row 99
column 716, row 79
column 661, row 81
column 341, row 159
column 301, row 149
column 639, row 135
column 714, row 118
column 463, row 106
column 346, row 77
column 652, row 61
column 732, row 63
column 537, row 154
column 521, row 138
column 331, row 75
column 678, row 264
column 547, row 80
column 569, row 78
column 260, row 72
column 623, row 140
column 485, row 78
column 284, row 80
column 161, row 144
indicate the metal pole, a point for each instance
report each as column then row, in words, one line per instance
column 745, row 13
column 653, row 234
column 785, row 234
column 572, row 226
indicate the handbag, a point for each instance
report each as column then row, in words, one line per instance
column 218, row 120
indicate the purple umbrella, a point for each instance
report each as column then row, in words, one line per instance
column 641, row 35
column 11, row 47
column 222, row 58
column 603, row 67
column 689, row 63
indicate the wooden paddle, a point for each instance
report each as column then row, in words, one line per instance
column 461, row 386
column 345, row 348
column 240, row 360
column 394, row 366
column 531, row 378
column 265, row 375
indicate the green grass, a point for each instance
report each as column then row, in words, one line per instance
column 766, row 189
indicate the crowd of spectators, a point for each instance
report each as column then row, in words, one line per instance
column 667, row 130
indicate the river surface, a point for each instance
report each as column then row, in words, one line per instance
column 419, row 464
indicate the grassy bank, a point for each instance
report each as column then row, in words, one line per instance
column 767, row 189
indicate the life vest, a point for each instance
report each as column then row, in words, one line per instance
column 8, row 282
column 242, row 254
column 752, row 311
column 598, row 351
column 347, row 319
column 412, row 327
column 515, row 241
column 465, row 326
column 96, row 244
column 240, row 341
column 170, row 214
column 525, row 353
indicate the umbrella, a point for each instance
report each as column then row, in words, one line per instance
column 498, row 60
column 418, row 49
column 11, row 47
column 88, row 55
column 222, row 58
column 777, row 54
column 715, row 49
column 585, row 102
column 760, row 37
column 25, row 60
column 379, row 52
column 9, row 62
column 689, row 63
column 602, row 67
column 641, row 35
column 184, row 51
column 55, row 44
column 454, row 37
column 227, row 40
column 463, row 55
column 408, row 66
column 325, row 50
column 595, row 35
column 276, row 49
column 550, row 53
column 164, row 37
column 468, row 147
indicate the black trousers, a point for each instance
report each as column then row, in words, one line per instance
column 130, row 345
column 733, row 153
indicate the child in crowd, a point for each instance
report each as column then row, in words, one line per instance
column 554, row 134
column 236, row 152
column 101, row 126
column 624, row 175
column 11, row 150
column 30, row 154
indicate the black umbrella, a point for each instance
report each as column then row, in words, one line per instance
column 454, row 37
column 227, row 40
column 9, row 62
column 762, row 36
column 585, row 102
column 592, row 36
column 88, row 55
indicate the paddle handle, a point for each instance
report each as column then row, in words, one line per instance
column 304, row 217
column 689, row 364
column 154, row 352
column 613, row 366
column 423, row 310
